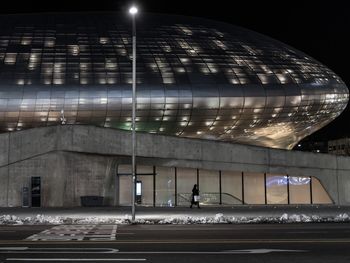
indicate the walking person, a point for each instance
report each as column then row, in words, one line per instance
column 195, row 196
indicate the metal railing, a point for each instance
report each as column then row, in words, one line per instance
column 209, row 198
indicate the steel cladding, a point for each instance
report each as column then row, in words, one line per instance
column 195, row 78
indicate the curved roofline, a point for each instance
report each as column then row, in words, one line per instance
column 121, row 12
column 214, row 21
column 201, row 92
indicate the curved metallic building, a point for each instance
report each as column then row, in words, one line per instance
column 195, row 78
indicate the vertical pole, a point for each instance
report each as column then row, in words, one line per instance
column 116, row 185
column 133, row 117
column 265, row 189
column 198, row 178
column 175, row 186
column 243, row 189
column 288, row 189
column 311, row 197
column 220, row 189
column 154, row 186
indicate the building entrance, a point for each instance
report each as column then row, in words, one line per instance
column 36, row 191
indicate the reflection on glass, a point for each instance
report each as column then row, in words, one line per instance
column 165, row 186
column 319, row 194
column 125, row 182
column 209, row 187
column 186, row 178
column 254, row 190
column 299, row 190
column 231, row 187
column 144, row 174
column 276, row 189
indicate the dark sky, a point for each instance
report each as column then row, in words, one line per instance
column 319, row 28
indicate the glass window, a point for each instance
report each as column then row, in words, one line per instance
column 319, row 194
column 209, row 187
column 165, row 186
column 146, row 189
column 186, row 178
column 231, row 187
column 299, row 190
column 125, row 184
column 276, row 189
column 254, row 190
column 145, row 176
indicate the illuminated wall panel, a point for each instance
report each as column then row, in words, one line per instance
column 299, row 190
column 276, row 189
column 254, row 190
column 173, row 186
column 125, row 184
column 145, row 176
column 319, row 194
column 231, row 187
column 186, row 178
column 165, row 186
column 209, row 185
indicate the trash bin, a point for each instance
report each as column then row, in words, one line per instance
column 91, row 200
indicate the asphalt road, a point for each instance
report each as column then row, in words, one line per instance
column 176, row 243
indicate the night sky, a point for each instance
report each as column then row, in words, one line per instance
column 321, row 29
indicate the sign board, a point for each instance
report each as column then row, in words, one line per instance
column 138, row 192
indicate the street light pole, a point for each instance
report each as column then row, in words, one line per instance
column 133, row 12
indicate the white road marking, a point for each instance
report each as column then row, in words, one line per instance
column 75, row 259
column 227, row 252
column 195, row 252
column 307, row 232
column 76, row 233
column 114, row 232
column 98, row 236
column 185, row 229
column 28, row 250
column 261, row 251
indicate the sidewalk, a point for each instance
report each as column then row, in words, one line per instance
column 178, row 215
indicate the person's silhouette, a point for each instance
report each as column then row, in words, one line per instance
column 195, row 196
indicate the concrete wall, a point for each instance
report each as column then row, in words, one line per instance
column 65, row 176
column 80, row 160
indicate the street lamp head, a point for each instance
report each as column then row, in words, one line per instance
column 133, row 10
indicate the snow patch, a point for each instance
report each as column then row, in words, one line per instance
column 342, row 218
column 218, row 218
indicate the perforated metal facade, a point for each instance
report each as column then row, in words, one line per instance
column 195, row 78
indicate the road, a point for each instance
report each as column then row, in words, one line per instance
column 176, row 243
